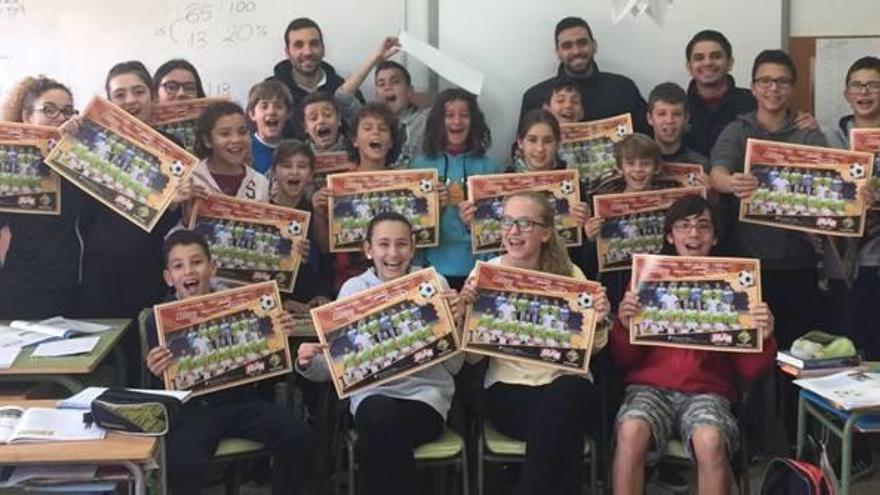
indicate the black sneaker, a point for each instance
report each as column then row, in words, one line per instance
column 672, row 478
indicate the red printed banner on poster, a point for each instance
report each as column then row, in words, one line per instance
column 251, row 241
column 224, row 339
column 868, row 140
column 357, row 197
column 532, row 317
column 633, row 223
column 686, row 174
column 487, row 192
column 27, row 185
column 123, row 163
column 806, row 188
column 697, row 302
column 588, row 147
column 180, row 118
column 332, row 162
column 387, row 332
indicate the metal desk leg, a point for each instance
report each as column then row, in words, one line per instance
column 846, row 453
column 801, row 427
column 137, row 473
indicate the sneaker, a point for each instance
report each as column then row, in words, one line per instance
column 862, row 465
column 672, row 478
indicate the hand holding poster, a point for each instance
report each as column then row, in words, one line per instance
column 179, row 118
column 224, row 339
column 251, row 241
column 387, row 332
column 696, row 302
column 357, row 197
column 806, row 188
column 588, row 147
column 868, row 140
column 122, row 162
column 532, row 317
column 487, row 192
column 27, row 185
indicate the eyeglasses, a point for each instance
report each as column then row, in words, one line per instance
column 174, row 87
column 703, row 227
column 780, row 82
column 52, row 111
column 856, row 87
column 523, row 224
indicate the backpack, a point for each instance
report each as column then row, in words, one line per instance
column 791, row 477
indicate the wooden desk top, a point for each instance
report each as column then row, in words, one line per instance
column 112, row 449
column 69, row 365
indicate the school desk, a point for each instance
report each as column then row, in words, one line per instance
column 68, row 371
column 133, row 453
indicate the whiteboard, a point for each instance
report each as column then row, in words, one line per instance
column 512, row 42
column 233, row 43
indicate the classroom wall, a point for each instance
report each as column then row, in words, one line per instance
column 835, row 18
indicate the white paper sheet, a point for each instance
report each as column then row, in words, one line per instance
column 451, row 69
column 13, row 337
column 78, row 326
column 7, row 356
column 83, row 400
column 67, row 347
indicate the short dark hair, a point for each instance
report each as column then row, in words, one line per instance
column 708, row 35
column 183, row 237
column 869, row 63
column 269, row 90
column 209, row 119
column 682, row 208
column 134, row 67
column 638, row 146
column 778, row 57
column 392, row 65
column 561, row 84
column 302, row 23
column 568, row 23
column 379, row 110
column 479, row 136
column 318, row 97
column 538, row 116
column 174, row 64
column 385, row 216
column 667, row 92
column 288, row 148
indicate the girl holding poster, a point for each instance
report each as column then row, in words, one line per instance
column 394, row 418
column 545, row 407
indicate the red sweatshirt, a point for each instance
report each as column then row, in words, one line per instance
column 686, row 370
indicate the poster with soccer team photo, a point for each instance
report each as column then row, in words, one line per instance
column 180, row 118
column 696, row 302
column 532, row 317
column 122, row 162
column 386, row 332
column 633, row 223
column 686, row 174
column 806, row 188
column 487, row 192
column 224, row 339
column 251, row 241
column 27, row 185
column 588, row 147
column 357, row 197
column 868, row 141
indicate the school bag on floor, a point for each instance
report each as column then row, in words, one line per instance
column 791, row 477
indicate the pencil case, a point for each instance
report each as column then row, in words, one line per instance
column 133, row 413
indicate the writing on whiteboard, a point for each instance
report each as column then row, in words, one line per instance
column 204, row 24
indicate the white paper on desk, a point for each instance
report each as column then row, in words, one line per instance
column 77, row 326
column 83, row 399
column 67, row 347
column 13, row 337
column 7, row 356
column 451, row 69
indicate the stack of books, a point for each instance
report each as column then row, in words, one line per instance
column 807, row 368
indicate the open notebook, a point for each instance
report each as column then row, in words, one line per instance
column 40, row 424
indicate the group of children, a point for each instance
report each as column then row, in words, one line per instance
column 89, row 261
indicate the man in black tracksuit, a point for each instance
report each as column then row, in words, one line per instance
column 305, row 71
column 604, row 94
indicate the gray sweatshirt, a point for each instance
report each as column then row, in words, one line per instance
column 433, row 386
column 778, row 249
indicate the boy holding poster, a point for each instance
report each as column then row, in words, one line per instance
column 238, row 412
column 548, row 408
column 668, row 117
column 683, row 390
column 395, row 417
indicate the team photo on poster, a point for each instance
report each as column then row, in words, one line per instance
column 531, row 316
column 224, row 339
column 179, row 118
column 487, row 192
column 696, row 302
column 122, row 162
column 588, row 147
column 27, row 185
column 251, row 241
column 868, row 141
column 387, row 332
column 807, row 188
